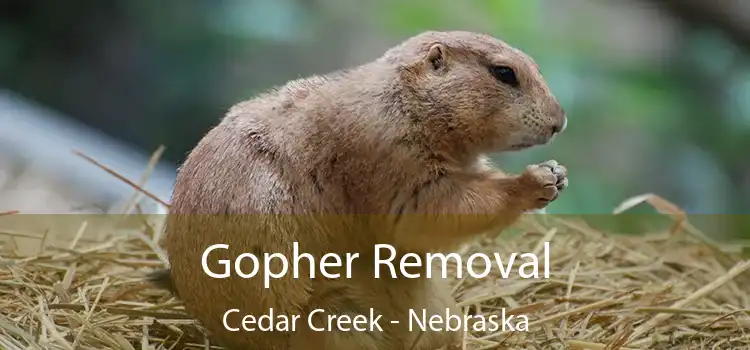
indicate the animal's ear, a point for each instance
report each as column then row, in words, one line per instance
column 436, row 57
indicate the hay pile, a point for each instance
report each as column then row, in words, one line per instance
column 665, row 290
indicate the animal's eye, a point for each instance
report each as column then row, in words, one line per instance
column 505, row 75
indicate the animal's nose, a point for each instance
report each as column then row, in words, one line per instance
column 560, row 127
column 557, row 113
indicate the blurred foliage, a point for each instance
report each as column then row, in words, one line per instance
column 164, row 72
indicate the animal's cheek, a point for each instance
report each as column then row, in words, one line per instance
column 529, row 119
column 513, row 120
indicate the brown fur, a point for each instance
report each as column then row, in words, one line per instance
column 402, row 139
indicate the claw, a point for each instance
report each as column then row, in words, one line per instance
column 558, row 171
column 550, row 164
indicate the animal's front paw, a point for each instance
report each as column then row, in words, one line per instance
column 542, row 183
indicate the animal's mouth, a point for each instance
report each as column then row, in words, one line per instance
column 521, row 146
column 530, row 142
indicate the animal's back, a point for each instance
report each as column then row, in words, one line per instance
column 244, row 185
column 208, row 209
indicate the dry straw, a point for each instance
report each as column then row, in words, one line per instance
column 662, row 290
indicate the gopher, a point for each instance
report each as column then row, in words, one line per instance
column 393, row 151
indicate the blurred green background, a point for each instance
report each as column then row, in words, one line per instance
column 657, row 92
